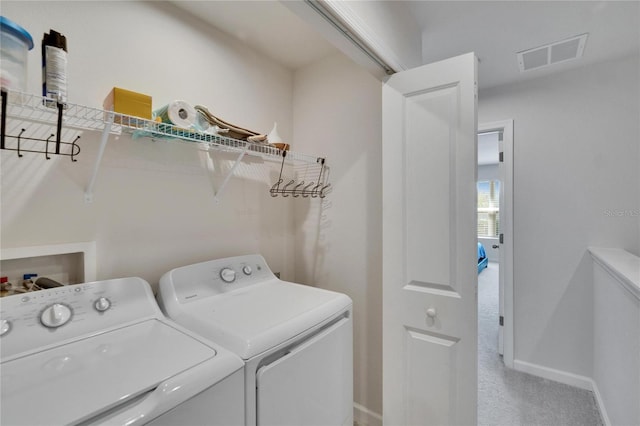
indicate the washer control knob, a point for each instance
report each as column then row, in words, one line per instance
column 5, row 327
column 102, row 304
column 55, row 315
column 247, row 270
column 228, row 275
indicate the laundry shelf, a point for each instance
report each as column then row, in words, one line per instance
column 32, row 108
column 40, row 110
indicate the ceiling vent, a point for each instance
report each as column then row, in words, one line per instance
column 553, row 53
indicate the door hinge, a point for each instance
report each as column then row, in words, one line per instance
column 501, row 320
column 501, row 238
column 501, row 157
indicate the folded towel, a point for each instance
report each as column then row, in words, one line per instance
column 235, row 132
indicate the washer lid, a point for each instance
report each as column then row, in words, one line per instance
column 77, row 381
column 254, row 319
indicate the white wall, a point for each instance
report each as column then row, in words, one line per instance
column 575, row 161
column 153, row 207
column 337, row 108
column 616, row 326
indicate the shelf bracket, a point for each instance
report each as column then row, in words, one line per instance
column 218, row 193
column 88, row 193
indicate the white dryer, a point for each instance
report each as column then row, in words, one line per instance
column 103, row 353
column 296, row 340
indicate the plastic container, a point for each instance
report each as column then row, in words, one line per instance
column 15, row 43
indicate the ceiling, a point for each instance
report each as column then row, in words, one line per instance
column 495, row 30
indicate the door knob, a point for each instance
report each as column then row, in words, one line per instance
column 495, row 246
column 432, row 313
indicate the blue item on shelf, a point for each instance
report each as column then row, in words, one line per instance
column 483, row 261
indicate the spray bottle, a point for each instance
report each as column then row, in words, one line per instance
column 54, row 67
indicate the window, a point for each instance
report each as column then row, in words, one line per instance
column 489, row 208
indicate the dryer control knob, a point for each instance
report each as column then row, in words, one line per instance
column 247, row 270
column 5, row 327
column 55, row 315
column 102, row 304
column 228, row 275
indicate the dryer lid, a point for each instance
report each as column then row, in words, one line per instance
column 77, row 381
column 254, row 319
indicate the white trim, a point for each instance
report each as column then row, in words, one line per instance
column 600, row 402
column 88, row 250
column 565, row 377
column 365, row 417
column 623, row 266
column 506, row 223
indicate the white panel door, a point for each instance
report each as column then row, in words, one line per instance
column 429, row 244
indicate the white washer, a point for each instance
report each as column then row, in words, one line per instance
column 103, row 353
column 296, row 340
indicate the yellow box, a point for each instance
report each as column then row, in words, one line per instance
column 129, row 103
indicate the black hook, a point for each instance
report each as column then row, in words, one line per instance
column 21, row 132
column 73, row 149
column 59, row 127
column 46, row 149
column 3, row 120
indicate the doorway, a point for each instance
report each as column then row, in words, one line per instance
column 496, row 224
column 495, row 280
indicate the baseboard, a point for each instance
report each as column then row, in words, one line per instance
column 365, row 417
column 600, row 402
column 570, row 379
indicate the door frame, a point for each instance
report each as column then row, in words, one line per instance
column 506, row 225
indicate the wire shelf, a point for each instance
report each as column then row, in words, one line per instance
column 38, row 109
column 48, row 112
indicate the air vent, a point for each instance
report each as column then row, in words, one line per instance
column 553, row 53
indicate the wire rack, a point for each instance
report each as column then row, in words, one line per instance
column 43, row 110
column 64, row 117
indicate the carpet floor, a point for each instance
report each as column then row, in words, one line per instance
column 508, row 397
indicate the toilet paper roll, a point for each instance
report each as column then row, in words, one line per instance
column 178, row 113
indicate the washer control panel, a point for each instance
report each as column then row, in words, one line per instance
column 36, row 319
column 208, row 279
